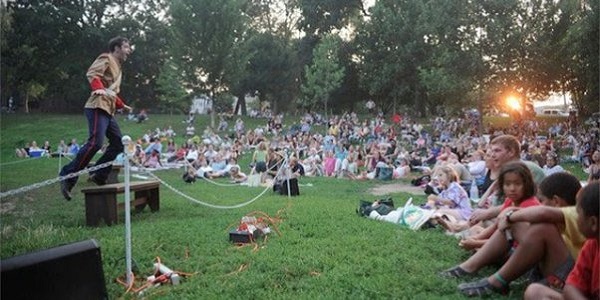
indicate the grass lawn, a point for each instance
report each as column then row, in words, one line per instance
column 324, row 251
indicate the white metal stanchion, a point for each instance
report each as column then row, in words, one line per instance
column 59, row 161
column 288, row 173
column 127, row 155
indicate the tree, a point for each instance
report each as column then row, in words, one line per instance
column 52, row 43
column 323, row 76
column 33, row 90
column 170, row 90
column 34, row 53
column 451, row 62
column 321, row 17
column 583, row 44
column 271, row 69
column 389, row 50
column 275, row 17
column 206, row 34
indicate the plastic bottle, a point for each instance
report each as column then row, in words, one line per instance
column 474, row 192
column 162, row 269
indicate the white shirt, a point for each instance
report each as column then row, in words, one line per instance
column 555, row 169
column 192, row 154
column 477, row 168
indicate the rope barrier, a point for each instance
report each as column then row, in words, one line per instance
column 20, row 161
column 54, row 180
column 192, row 199
column 205, row 203
column 145, row 171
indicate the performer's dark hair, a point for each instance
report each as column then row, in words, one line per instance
column 116, row 42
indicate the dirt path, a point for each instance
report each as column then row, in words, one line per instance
column 386, row 189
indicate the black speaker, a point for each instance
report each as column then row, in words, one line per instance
column 72, row 271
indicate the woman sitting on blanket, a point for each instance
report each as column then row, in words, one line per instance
column 453, row 201
column 236, row 175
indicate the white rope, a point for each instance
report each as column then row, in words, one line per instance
column 20, row 161
column 192, row 199
column 54, row 180
column 218, row 183
column 208, row 204
column 144, row 170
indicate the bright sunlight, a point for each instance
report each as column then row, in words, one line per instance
column 513, row 102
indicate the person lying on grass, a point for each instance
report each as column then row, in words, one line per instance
column 517, row 188
column 547, row 239
column 584, row 280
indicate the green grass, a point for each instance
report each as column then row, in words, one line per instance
column 325, row 251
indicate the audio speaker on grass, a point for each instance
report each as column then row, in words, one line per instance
column 72, row 271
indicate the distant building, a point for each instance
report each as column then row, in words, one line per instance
column 204, row 104
column 201, row 105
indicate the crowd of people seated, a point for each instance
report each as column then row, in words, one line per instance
column 375, row 147
column 527, row 200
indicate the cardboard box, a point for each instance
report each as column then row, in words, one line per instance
column 240, row 236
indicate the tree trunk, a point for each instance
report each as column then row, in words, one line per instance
column 213, row 113
column 240, row 104
column 26, row 103
column 212, row 116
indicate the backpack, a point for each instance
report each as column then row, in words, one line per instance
column 188, row 177
column 421, row 180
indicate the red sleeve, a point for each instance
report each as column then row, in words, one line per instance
column 96, row 84
column 119, row 103
column 581, row 277
column 507, row 203
column 533, row 201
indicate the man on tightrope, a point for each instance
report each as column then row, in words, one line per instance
column 105, row 77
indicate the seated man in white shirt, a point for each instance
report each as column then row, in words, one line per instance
column 476, row 166
column 552, row 166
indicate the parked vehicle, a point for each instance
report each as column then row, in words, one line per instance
column 554, row 112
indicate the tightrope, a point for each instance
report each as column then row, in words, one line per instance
column 54, row 180
column 20, row 161
column 192, row 199
column 143, row 169
column 204, row 203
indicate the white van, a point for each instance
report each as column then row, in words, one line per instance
column 554, row 112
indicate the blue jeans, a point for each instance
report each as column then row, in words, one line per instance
column 100, row 124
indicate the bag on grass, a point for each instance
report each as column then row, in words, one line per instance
column 414, row 217
column 421, row 180
column 384, row 173
column 383, row 207
column 189, row 178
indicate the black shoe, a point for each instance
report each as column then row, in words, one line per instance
column 95, row 179
column 65, row 189
column 456, row 272
column 430, row 190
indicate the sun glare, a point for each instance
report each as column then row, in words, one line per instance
column 513, row 102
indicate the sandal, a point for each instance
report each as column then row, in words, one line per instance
column 456, row 272
column 481, row 288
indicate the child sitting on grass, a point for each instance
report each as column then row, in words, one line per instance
column 516, row 184
column 453, row 199
column 547, row 236
column 584, row 280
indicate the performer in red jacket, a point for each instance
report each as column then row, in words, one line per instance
column 105, row 77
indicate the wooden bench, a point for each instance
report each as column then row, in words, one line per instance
column 101, row 201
